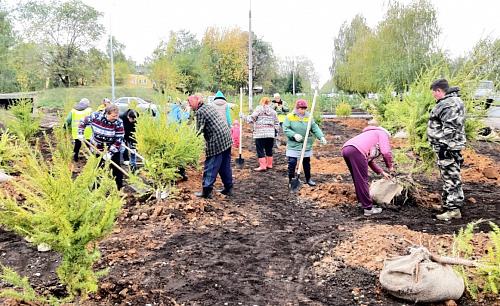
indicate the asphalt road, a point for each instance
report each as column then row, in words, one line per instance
column 493, row 118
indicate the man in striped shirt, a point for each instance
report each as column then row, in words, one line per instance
column 107, row 136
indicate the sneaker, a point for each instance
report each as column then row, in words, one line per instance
column 449, row 214
column 126, row 162
column 372, row 211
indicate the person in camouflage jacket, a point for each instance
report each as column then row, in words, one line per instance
column 218, row 143
column 446, row 134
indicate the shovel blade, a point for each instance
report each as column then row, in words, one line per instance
column 295, row 184
column 240, row 162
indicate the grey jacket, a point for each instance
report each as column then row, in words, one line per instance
column 446, row 126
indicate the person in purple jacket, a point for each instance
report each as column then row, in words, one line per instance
column 359, row 153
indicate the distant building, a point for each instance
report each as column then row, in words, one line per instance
column 136, row 80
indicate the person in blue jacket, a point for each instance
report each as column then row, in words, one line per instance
column 179, row 112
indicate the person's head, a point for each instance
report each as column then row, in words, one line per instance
column 219, row 95
column 439, row 88
column 236, row 123
column 132, row 115
column 195, row 101
column 83, row 104
column 106, row 102
column 277, row 97
column 112, row 112
column 301, row 107
column 265, row 101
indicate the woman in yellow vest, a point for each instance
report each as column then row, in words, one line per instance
column 76, row 114
column 105, row 102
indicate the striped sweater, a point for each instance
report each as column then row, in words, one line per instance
column 104, row 133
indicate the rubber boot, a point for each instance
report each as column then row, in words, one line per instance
column 206, row 193
column 269, row 162
column 307, row 174
column 226, row 191
column 262, row 165
column 291, row 176
column 183, row 174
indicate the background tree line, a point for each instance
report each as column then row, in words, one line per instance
column 57, row 47
column 399, row 49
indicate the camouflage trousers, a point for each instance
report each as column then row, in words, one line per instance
column 453, row 194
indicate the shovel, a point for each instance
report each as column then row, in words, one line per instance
column 133, row 186
column 295, row 182
column 130, row 150
column 240, row 161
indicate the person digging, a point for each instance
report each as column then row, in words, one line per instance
column 218, row 143
column 294, row 128
column 107, row 137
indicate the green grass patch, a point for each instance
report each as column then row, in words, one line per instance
column 54, row 98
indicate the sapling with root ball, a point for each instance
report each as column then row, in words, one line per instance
column 410, row 111
column 69, row 214
column 167, row 146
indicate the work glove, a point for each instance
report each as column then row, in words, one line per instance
column 242, row 115
column 81, row 137
column 323, row 140
column 298, row 137
column 133, row 151
column 107, row 156
column 443, row 153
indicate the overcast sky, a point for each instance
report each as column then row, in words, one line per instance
column 293, row 27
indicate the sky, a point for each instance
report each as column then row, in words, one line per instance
column 293, row 27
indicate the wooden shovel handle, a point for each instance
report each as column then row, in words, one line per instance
column 309, row 123
column 112, row 162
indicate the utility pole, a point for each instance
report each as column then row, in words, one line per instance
column 112, row 64
column 293, row 74
column 250, row 85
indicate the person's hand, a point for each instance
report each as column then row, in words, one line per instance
column 81, row 137
column 386, row 175
column 390, row 170
column 242, row 115
column 298, row 137
column 133, row 151
column 443, row 153
column 323, row 140
column 107, row 156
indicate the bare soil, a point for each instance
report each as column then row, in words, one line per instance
column 266, row 245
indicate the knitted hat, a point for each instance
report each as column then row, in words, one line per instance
column 265, row 100
column 83, row 104
column 301, row 103
column 235, row 122
column 219, row 95
column 195, row 100
column 277, row 95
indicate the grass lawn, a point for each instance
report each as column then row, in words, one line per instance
column 57, row 97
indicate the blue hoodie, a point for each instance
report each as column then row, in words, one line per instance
column 176, row 114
